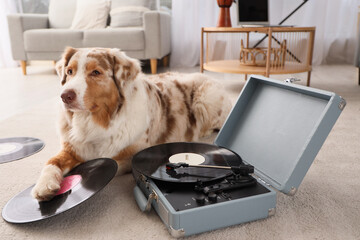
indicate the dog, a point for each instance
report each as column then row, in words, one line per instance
column 111, row 109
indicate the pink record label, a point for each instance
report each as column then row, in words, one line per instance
column 68, row 183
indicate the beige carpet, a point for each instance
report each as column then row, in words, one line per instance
column 326, row 206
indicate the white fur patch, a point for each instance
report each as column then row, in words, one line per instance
column 48, row 183
column 77, row 83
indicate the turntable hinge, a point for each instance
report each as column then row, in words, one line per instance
column 261, row 180
column 292, row 80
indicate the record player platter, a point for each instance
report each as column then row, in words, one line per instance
column 152, row 162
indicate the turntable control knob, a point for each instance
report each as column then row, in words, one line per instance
column 200, row 199
column 212, row 197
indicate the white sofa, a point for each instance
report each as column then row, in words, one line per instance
column 45, row 36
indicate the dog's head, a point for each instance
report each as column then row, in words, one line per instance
column 93, row 80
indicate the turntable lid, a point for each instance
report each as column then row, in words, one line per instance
column 279, row 128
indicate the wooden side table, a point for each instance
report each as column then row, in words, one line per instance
column 284, row 50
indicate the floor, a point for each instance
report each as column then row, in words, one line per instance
column 327, row 205
column 19, row 93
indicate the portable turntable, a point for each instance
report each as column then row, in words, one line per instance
column 268, row 142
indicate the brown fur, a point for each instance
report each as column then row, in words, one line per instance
column 69, row 52
column 67, row 159
column 102, row 102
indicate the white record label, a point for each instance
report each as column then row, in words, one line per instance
column 8, row 148
column 16, row 148
column 189, row 158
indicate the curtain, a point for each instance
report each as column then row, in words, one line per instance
column 34, row 6
column 335, row 22
column 6, row 7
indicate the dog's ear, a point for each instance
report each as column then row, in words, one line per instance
column 63, row 62
column 124, row 67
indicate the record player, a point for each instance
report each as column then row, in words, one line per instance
column 267, row 144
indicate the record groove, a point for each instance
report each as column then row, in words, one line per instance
column 91, row 177
column 152, row 161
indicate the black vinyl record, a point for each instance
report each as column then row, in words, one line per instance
column 16, row 148
column 90, row 177
column 152, row 161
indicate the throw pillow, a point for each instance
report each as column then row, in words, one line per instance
column 61, row 13
column 91, row 14
column 131, row 16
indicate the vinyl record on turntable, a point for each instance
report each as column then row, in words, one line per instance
column 16, row 148
column 78, row 185
column 152, row 161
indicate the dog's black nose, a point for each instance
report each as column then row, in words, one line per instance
column 68, row 96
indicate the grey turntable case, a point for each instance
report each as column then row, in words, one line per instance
column 275, row 126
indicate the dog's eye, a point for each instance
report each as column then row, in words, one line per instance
column 95, row 73
column 69, row 71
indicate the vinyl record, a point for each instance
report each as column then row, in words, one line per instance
column 152, row 161
column 16, row 148
column 79, row 184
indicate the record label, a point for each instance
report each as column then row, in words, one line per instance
column 8, row 148
column 79, row 184
column 189, row 158
column 69, row 183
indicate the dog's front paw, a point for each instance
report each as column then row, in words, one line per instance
column 48, row 184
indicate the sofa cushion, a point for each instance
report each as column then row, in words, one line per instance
column 91, row 14
column 43, row 40
column 61, row 13
column 131, row 38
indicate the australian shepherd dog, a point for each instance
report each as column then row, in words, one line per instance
column 111, row 109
